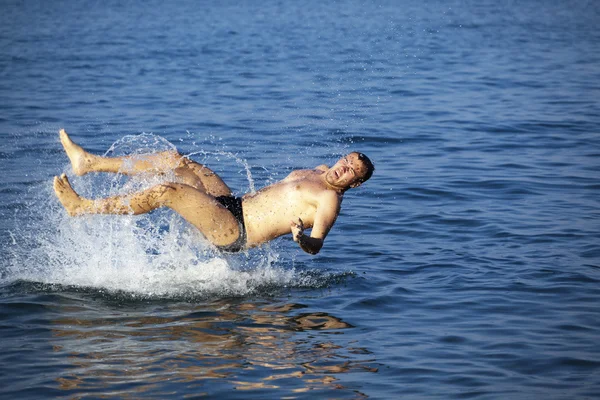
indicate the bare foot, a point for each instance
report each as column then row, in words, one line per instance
column 80, row 159
column 72, row 202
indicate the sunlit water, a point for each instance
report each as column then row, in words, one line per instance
column 467, row 267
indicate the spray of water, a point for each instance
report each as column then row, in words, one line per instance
column 152, row 255
column 237, row 159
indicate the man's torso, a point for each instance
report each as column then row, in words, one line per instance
column 269, row 212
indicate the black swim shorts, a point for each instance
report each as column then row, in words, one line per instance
column 234, row 205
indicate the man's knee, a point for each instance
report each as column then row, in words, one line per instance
column 185, row 162
column 189, row 178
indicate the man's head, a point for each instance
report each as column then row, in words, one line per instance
column 350, row 171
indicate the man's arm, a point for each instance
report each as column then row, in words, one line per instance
column 327, row 212
column 307, row 243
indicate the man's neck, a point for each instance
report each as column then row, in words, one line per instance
column 329, row 186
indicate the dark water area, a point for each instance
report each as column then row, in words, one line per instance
column 467, row 267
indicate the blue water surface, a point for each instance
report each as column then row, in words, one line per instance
column 467, row 267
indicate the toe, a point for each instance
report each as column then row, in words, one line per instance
column 64, row 138
column 58, row 185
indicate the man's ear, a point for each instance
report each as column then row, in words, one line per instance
column 355, row 185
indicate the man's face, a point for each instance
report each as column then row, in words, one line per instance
column 347, row 172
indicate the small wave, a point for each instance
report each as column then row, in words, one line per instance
column 187, row 286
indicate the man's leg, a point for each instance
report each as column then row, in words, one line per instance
column 191, row 172
column 217, row 223
column 202, row 178
column 84, row 162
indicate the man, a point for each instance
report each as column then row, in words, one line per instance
column 304, row 199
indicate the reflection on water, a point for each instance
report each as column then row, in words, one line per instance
column 206, row 349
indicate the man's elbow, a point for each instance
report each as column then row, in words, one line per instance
column 314, row 248
column 312, row 252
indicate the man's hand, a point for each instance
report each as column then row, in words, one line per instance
column 297, row 229
column 309, row 244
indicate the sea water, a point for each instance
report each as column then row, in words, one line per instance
column 467, row 267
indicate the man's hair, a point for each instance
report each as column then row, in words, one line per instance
column 368, row 165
